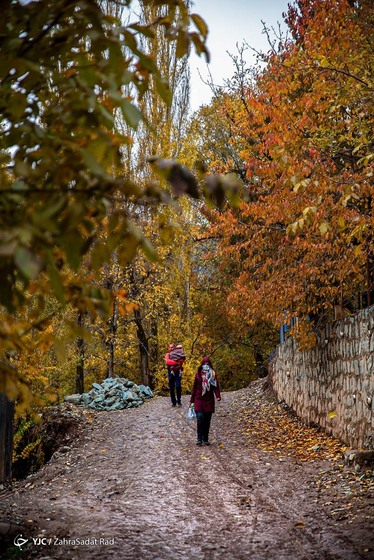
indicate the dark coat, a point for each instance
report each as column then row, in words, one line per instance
column 203, row 403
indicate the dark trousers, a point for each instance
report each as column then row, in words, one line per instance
column 203, row 425
column 175, row 386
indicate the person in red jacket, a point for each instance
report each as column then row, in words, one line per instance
column 174, row 362
column 204, row 389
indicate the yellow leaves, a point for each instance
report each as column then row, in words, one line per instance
column 308, row 217
column 324, row 63
column 365, row 161
column 270, row 427
column 332, row 414
column 200, row 24
column 60, row 348
column 26, row 452
column 8, row 385
column 309, row 214
column 299, row 184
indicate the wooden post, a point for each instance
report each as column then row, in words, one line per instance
column 6, row 438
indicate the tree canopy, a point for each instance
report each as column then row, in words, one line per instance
column 299, row 131
column 68, row 71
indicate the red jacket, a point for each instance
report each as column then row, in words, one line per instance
column 203, row 403
column 175, row 365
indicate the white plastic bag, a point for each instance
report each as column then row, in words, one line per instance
column 191, row 414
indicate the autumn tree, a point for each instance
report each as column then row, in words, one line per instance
column 301, row 242
column 160, row 133
column 64, row 65
column 149, row 283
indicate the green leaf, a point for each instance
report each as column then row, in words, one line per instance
column 149, row 250
column 29, row 264
column 20, row 186
column 131, row 114
column 56, row 283
column 128, row 248
column 143, row 29
column 92, row 164
column 99, row 147
column 164, row 90
column 73, row 246
column 99, row 255
column 21, row 168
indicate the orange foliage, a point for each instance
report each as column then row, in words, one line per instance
column 301, row 239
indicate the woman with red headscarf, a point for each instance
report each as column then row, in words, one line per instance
column 204, row 389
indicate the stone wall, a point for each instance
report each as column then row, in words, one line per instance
column 332, row 385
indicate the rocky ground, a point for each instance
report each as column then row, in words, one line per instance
column 135, row 486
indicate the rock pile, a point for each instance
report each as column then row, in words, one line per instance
column 112, row 394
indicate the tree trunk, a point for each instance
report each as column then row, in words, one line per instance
column 153, row 347
column 79, row 375
column 6, row 438
column 113, row 326
column 143, row 349
column 261, row 367
column 370, row 279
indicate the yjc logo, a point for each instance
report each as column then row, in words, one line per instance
column 20, row 541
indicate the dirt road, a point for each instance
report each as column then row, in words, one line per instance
column 137, row 487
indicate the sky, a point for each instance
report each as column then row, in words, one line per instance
column 230, row 22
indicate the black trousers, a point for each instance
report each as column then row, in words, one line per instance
column 175, row 386
column 203, row 425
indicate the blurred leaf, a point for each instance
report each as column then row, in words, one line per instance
column 200, row 24
column 183, row 44
column 60, row 349
column 92, row 164
column 29, row 264
column 131, row 113
column 145, row 30
column 149, row 250
column 179, row 177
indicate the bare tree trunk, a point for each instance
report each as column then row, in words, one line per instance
column 113, row 326
column 153, row 349
column 6, row 437
column 143, row 349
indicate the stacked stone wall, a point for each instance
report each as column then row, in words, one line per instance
column 332, row 385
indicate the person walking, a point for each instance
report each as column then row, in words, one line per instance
column 204, row 389
column 174, row 362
